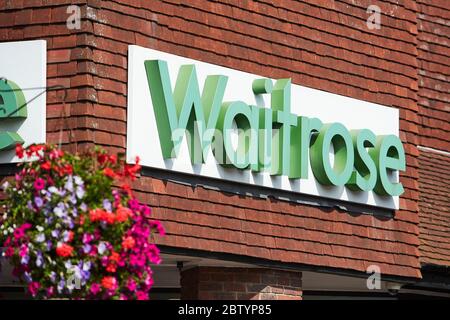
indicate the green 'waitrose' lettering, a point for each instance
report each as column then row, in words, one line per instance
column 274, row 140
column 12, row 106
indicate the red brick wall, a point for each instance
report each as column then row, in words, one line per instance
column 324, row 45
column 434, row 131
column 434, row 73
column 433, row 102
column 434, row 208
column 214, row 283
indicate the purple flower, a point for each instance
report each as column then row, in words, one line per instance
column 61, row 285
column 80, row 192
column 87, row 266
column 107, row 205
column 69, row 222
column 69, row 184
column 53, row 189
column 49, row 220
column 66, row 236
column 101, row 248
column 55, row 233
column 38, row 202
column 73, row 199
column 83, row 207
column 68, row 264
column 40, row 237
column 5, row 185
column 87, row 248
column 39, row 259
column 25, row 259
column 46, row 211
column 78, row 180
column 60, row 210
column 52, row 276
column 27, row 277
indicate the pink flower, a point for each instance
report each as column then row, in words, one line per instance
column 87, row 238
column 146, row 211
column 33, row 288
column 141, row 295
column 131, row 285
column 20, row 231
column 148, row 281
column 39, row 184
column 94, row 251
column 133, row 204
column 50, row 291
column 95, row 288
column 158, row 226
column 23, row 250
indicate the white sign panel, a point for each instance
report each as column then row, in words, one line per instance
column 143, row 137
column 23, row 75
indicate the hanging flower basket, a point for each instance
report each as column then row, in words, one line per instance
column 71, row 227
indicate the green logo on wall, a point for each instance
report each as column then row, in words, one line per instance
column 12, row 106
column 269, row 139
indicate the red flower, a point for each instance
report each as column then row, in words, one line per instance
column 64, row 250
column 122, row 214
column 19, row 151
column 101, row 158
column 109, row 283
column 70, row 236
column 114, row 257
column 131, row 170
column 109, row 217
column 67, row 169
column 128, row 243
column 96, row 214
column 111, row 268
column 34, row 149
column 46, row 165
column 102, row 215
column 113, row 159
column 9, row 252
column 109, row 173
column 56, row 153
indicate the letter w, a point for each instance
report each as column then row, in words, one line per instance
column 184, row 109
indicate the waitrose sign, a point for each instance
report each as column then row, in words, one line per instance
column 23, row 80
column 193, row 117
